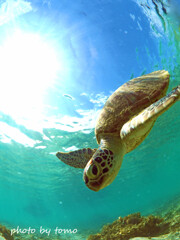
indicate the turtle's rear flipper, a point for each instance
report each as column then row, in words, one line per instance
column 78, row 158
column 139, row 124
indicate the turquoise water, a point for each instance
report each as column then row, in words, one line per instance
column 60, row 62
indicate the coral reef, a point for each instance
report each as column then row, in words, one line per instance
column 5, row 234
column 133, row 225
column 164, row 224
column 171, row 213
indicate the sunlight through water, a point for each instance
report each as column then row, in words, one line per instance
column 29, row 66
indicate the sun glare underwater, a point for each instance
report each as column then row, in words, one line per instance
column 59, row 63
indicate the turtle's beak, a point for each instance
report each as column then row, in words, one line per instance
column 93, row 184
column 96, row 186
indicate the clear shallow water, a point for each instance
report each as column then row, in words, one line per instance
column 91, row 48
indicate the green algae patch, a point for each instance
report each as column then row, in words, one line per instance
column 133, row 225
column 5, row 233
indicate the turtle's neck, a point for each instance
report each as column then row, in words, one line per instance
column 113, row 143
column 117, row 147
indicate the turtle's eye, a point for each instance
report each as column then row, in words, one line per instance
column 93, row 171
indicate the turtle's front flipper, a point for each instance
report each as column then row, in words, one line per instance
column 141, row 124
column 78, row 158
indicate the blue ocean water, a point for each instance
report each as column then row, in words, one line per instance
column 60, row 60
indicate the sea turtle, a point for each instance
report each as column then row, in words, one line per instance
column 125, row 121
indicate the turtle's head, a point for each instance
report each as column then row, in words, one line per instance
column 102, row 169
